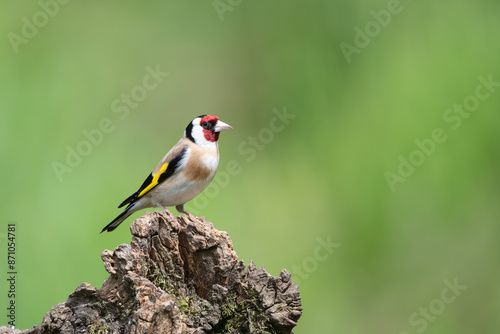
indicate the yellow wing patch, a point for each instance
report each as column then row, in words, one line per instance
column 154, row 182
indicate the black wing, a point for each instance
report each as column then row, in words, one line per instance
column 167, row 170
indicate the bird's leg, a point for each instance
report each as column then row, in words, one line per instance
column 180, row 208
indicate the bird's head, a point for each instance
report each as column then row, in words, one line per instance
column 205, row 129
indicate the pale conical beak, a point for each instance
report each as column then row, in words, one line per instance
column 221, row 126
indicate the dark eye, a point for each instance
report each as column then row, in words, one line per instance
column 207, row 125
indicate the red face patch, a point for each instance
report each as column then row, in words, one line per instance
column 208, row 132
column 211, row 136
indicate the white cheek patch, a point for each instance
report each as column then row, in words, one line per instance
column 199, row 138
column 197, row 133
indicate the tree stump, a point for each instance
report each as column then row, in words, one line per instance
column 177, row 276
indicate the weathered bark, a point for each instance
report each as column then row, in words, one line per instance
column 171, row 281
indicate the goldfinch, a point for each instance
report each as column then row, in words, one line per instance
column 185, row 171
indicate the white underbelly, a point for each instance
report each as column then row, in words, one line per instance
column 177, row 191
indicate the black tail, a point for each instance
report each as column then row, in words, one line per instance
column 118, row 220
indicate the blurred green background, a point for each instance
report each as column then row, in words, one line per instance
column 323, row 177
